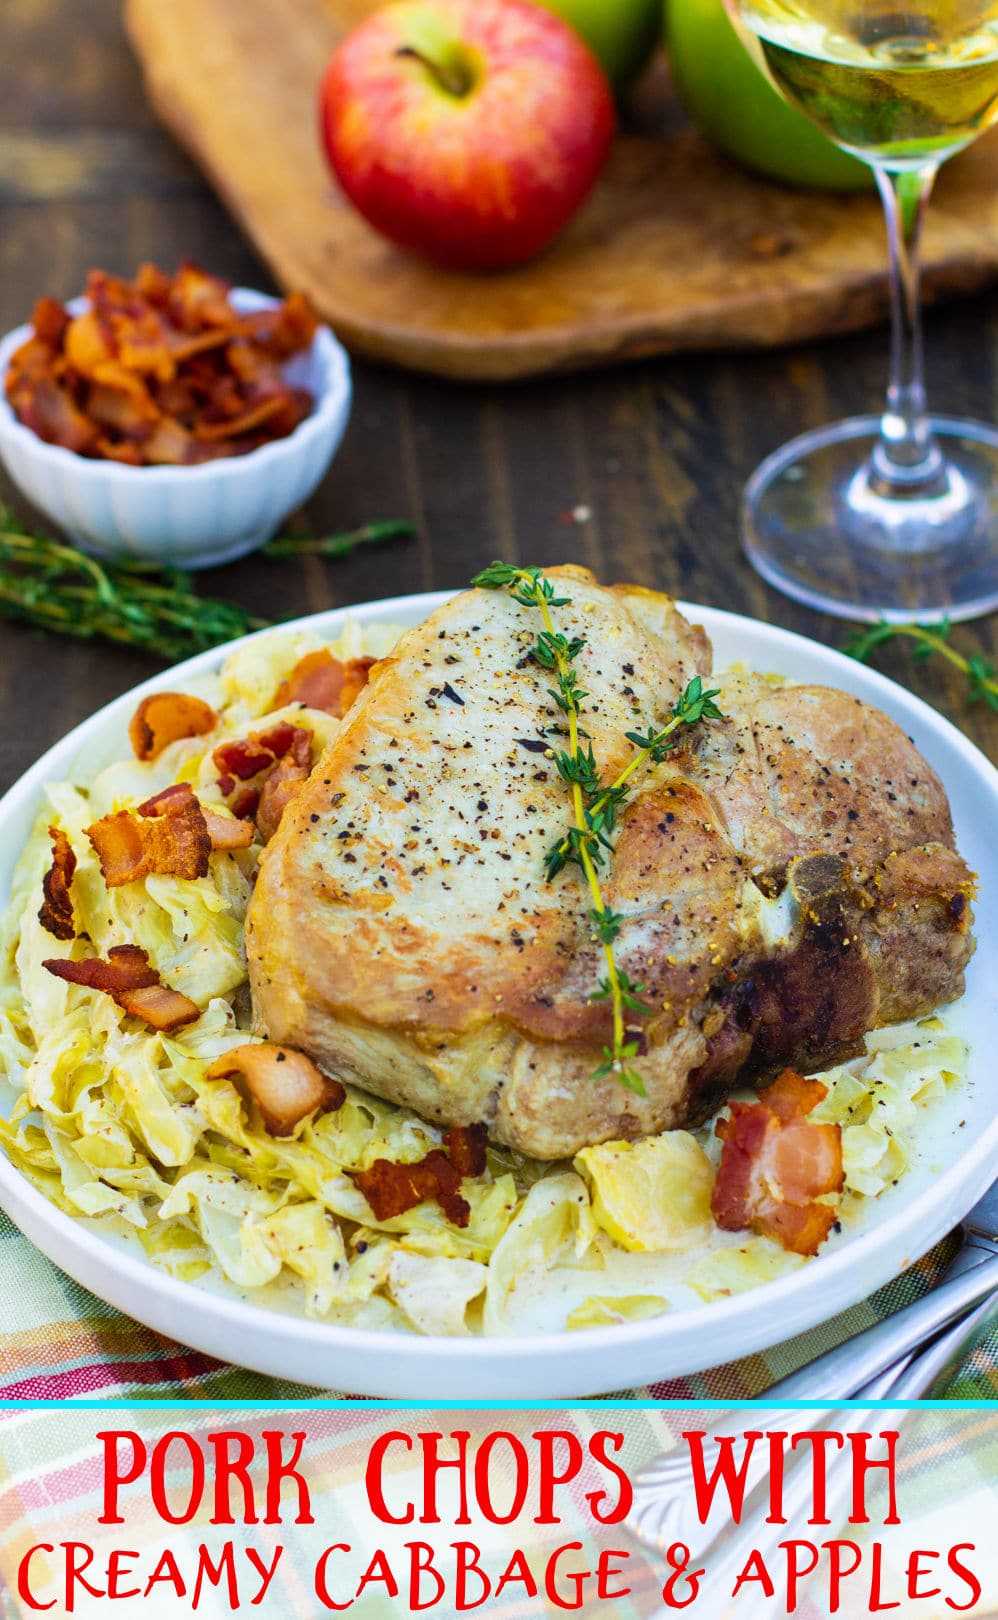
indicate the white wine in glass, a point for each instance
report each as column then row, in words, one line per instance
column 895, row 516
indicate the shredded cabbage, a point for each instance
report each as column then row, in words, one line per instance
column 116, row 1122
column 731, row 1270
column 602, row 1310
column 435, row 1293
column 555, row 1221
column 878, row 1099
column 652, row 1194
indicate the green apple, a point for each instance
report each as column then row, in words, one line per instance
column 735, row 104
column 621, row 33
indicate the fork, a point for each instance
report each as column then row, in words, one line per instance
column 664, row 1508
column 663, row 1492
column 971, row 1277
column 928, row 1375
column 665, row 1512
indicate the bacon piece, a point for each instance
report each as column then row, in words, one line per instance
column 56, row 912
column 282, row 785
column 228, row 832
column 283, row 331
column 466, row 1147
column 132, row 982
column 169, row 801
column 284, row 738
column 197, row 299
column 50, row 321
column 165, row 717
column 121, row 411
column 130, row 847
column 127, row 968
column 142, row 342
column 158, row 1005
column 35, row 358
column 225, row 832
column 49, row 409
column 86, row 344
column 791, row 1096
column 257, row 374
column 246, row 804
column 321, row 681
column 169, row 445
column 285, row 1085
column 391, row 1189
column 185, row 347
column 253, row 416
column 152, row 284
column 279, row 759
column 127, row 454
column 776, row 1163
column 243, row 758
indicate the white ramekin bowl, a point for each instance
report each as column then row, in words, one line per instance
column 184, row 517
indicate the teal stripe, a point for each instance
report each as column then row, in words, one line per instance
column 354, row 1403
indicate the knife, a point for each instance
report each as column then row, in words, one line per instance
column 973, row 1275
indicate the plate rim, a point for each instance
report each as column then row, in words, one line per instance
column 412, row 1348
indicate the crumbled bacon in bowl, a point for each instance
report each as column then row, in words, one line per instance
column 171, row 495
column 162, row 370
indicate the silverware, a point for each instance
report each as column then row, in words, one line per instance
column 664, row 1510
column 908, row 1364
column 929, row 1374
column 972, row 1276
column 755, row 1534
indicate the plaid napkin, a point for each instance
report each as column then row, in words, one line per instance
column 57, row 1341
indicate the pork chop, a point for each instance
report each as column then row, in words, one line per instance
column 402, row 931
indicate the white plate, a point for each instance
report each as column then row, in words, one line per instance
column 957, row 1165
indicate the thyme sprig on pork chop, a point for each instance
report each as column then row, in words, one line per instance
column 588, row 843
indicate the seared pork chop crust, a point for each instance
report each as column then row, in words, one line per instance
column 786, row 880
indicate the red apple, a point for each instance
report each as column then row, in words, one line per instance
column 468, row 131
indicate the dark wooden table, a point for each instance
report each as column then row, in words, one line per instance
column 656, row 454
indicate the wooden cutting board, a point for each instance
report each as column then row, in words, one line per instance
column 678, row 248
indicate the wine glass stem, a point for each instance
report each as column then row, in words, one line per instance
column 906, row 460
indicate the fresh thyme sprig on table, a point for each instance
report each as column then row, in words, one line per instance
column 338, row 545
column 930, row 639
column 52, row 585
column 589, row 842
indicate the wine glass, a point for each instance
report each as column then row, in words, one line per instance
column 892, row 517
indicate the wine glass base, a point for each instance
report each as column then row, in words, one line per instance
column 816, row 527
